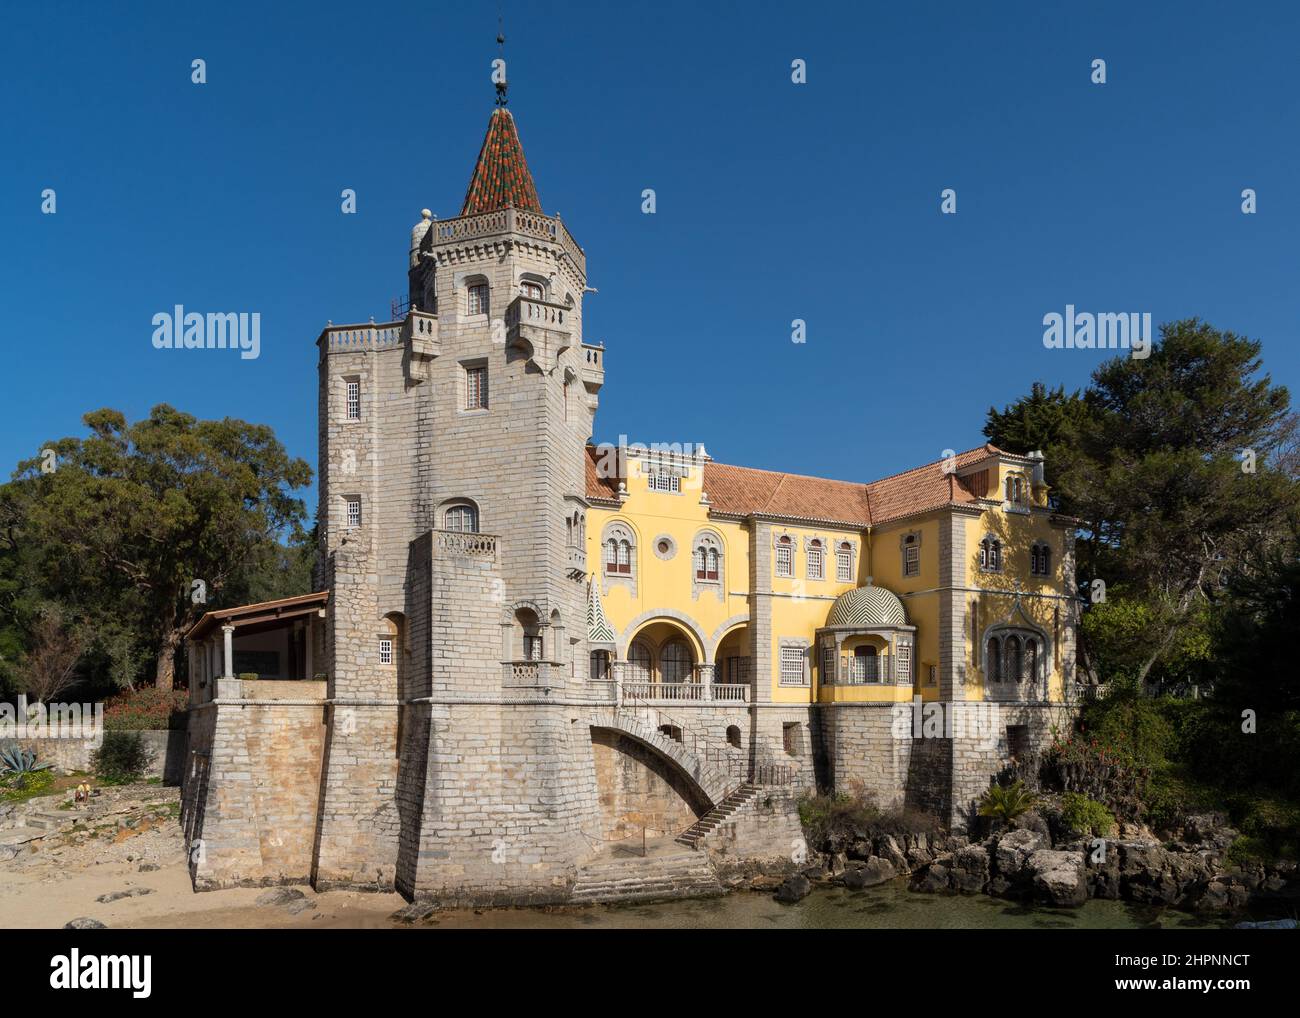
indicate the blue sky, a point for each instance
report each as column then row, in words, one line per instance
column 775, row 201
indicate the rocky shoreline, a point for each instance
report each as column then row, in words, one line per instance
column 1022, row 860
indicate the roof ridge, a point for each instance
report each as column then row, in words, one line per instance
column 865, row 484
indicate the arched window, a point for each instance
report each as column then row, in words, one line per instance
column 1015, row 489
column 638, row 662
column 713, row 564
column 462, row 518
column 531, row 290
column 1031, row 647
column 476, row 299
column 1014, row 660
column 620, row 550
column 991, row 555
column 1040, row 559
column 815, row 560
column 784, row 556
column 701, row 564
column 844, row 563
column 995, row 660
column 675, row 661
column 733, row 736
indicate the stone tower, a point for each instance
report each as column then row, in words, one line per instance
column 452, row 525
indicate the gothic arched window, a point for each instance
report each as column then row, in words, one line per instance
column 462, row 517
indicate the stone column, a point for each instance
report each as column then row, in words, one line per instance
column 228, row 652
column 616, row 671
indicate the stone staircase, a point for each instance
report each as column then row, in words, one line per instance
column 658, row 877
column 714, row 818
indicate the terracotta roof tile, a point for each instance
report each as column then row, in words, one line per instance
column 501, row 176
column 745, row 490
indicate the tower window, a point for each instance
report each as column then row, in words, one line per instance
column 462, row 518
column 478, row 299
column 354, row 510
column 385, row 651
column 531, row 290
column 1040, row 560
column 476, row 387
column 354, row 400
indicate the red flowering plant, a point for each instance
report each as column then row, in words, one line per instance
column 146, row 709
column 1104, row 770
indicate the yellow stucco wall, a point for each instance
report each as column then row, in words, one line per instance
column 663, row 600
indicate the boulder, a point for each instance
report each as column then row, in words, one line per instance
column 934, row 878
column 916, row 847
column 887, row 848
column 1014, row 849
column 875, row 871
column 84, row 923
column 1058, row 877
column 795, row 888
column 970, row 869
column 130, row 892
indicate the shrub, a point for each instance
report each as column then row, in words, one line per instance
column 146, row 709
column 1006, row 802
column 121, row 759
column 1086, row 816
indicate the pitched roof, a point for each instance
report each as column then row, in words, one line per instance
column 745, row 490
column 501, row 176
column 263, row 611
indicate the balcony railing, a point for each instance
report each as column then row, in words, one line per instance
column 680, row 692
column 467, row 544
column 508, row 220
column 532, row 673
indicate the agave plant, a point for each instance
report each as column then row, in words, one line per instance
column 16, row 760
column 1006, row 802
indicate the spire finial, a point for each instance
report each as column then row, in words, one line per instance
column 499, row 75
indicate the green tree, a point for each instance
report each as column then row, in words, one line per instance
column 135, row 513
column 1150, row 460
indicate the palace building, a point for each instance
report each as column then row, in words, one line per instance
column 518, row 657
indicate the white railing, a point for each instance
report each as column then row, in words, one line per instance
column 467, row 543
column 676, row 691
column 728, row 692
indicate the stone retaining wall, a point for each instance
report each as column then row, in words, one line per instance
column 165, row 750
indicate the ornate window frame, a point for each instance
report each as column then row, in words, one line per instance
column 779, row 541
column 619, row 532
column 1025, row 645
column 710, row 544
column 812, row 544
column 852, row 548
column 667, row 553
column 1040, row 559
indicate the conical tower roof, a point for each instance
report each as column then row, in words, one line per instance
column 501, row 176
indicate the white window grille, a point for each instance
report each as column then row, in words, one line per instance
column 476, row 393
column 354, row 511
column 792, row 666
column 385, row 652
column 354, row 401
column 478, row 299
